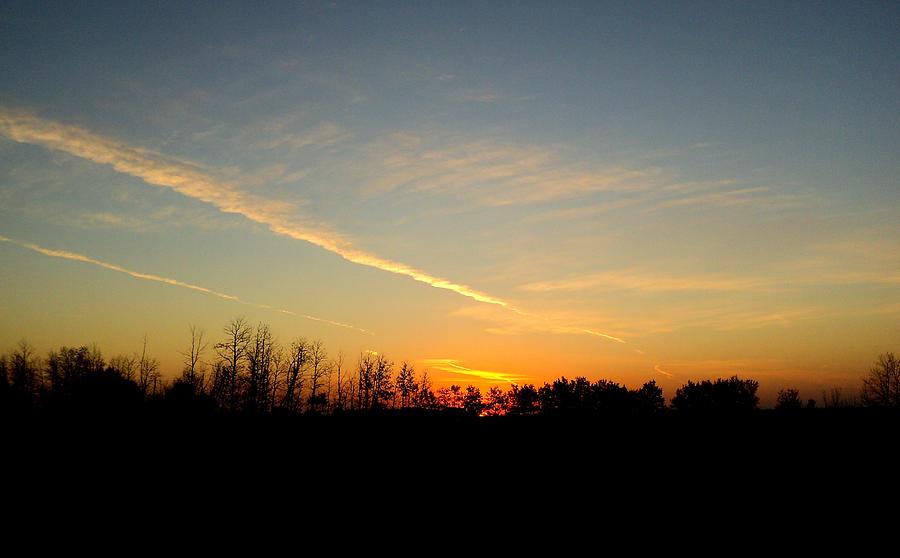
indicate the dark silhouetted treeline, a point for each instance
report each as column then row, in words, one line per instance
column 250, row 415
column 248, row 372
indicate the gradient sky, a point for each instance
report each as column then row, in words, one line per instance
column 494, row 191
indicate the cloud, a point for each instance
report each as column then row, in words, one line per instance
column 493, row 173
column 737, row 197
column 661, row 371
column 520, row 322
column 478, row 98
column 630, row 280
column 656, row 282
column 281, row 134
column 454, row 366
column 198, row 183
column 73, row 256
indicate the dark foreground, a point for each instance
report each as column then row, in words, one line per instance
column 406, row 442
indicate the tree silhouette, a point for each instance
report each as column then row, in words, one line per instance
column 451, row 397
column 66, row 366
column 406, row 384
column 318, row 371
column 524, row 399
column 881, row 388
column 382, row 384
column 193, row 373
column 720, row 396
column 472, row 402
column 125, row 366
column 293, row 383
column 148, row 373
column 24, row 372
column 337, row 367
column 424, row 397
column 233, row 352
column 259, row 369
column 788, row 400
column 497, row 402
column 649, row 398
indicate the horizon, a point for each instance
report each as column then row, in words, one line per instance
column 501, row 193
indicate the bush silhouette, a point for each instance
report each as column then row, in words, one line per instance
column 720, row 396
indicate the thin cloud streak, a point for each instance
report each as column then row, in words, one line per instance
column 73, row 256
column 661, row 371
column 634, row 281
column 454, row 366
column 195, row 182
column 494, row 174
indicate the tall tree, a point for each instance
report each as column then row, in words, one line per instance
column 881, row 388
column 259, row 369
column 472, row 402
column 406, row 384
column 233, row 351
column 497, row 403
column 296, row 364
column 194, row 374
column 721, row 396
column 337, row 367
column 424, row 397
column 365, row 373
column 318, row 371
column 25, row 371
column 382, row 384
column 148, row 372
column 125, row 366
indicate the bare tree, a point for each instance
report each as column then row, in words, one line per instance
column 233, row 351
column 374, row 380
column 424, row 397
column 382, row 385
column 194, row 373
column 337, row 367
column 25, row 369
column 278, row 372
column 881, row 388
column 219, row 382
column 148, row 372
column 365, row 372
column 319, row 369
column 406, row 384
column 835, row 398
column 125, row 366
column 293, row 381
column 259, row 369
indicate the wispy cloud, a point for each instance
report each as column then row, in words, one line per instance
column 726, row 198
column 632, row 280
column 74, row 256
column 519, row 323
column 490, row 172
column 478, row 97
column 285, row 133
column 456, row 369
column 659, row 370
column 198, row 183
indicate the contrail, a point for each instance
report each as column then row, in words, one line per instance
column 661, row 371
column 195, row 182
column 167, row 280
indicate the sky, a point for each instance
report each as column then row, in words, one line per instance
column 496, row 192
